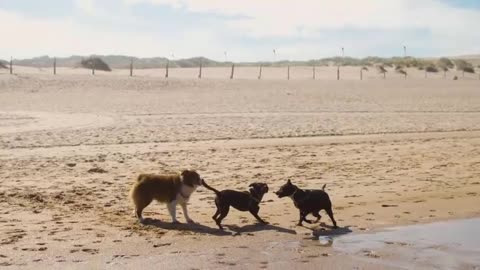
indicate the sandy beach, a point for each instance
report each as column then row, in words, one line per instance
column 392, row 152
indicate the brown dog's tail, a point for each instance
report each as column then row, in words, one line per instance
column 211, row 188
column 323, row 188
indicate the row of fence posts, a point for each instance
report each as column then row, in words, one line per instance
column 232, row 72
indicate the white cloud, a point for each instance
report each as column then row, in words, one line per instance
column 28, row 37
column 291, row 18
column 87, row 6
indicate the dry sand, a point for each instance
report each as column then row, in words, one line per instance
column 391, row 152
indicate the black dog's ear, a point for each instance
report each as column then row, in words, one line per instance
column 251, row 185
column 288, row 181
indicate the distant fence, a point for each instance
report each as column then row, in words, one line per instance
column 333, row 72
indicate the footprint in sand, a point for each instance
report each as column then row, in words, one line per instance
column 91, row 251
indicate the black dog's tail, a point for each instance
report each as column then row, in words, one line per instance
column 211, row 188
column 323, row 188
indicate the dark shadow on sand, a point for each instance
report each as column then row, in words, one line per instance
column 333, row 232
column 194, row 227
column 258, row 227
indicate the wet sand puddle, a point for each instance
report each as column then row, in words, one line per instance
column 442, row 245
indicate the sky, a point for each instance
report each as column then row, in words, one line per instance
column 246, row 30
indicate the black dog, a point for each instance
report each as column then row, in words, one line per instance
column 309, row 201
column 242, row 201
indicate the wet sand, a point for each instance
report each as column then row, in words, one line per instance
column 442, row 245
column 391, row 152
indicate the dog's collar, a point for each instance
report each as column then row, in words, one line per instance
column 293, row 194
column 254, row 193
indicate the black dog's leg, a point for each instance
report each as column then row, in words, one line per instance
column 223, row 213
column 254, row 211
column 300, row 220
column 317, row 215
column 215, row 216
column 307, row 220
column 330, row 214
column 303, row 217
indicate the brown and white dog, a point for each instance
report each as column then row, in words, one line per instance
column 170, row 189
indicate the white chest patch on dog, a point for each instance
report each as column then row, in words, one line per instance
column 185, row 192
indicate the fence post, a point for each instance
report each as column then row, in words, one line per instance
column 166, row 68
column 93, row 68
column 54, row 66
column 11, row 65
column 260, row 72
column 131, row 67
column 338, row 73
column 200, row 70
column 314, row 72
column 288, row 72
column 233, row 70
column 361, row 74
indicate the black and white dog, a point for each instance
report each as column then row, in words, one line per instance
column 309, row 201
column 242, row 201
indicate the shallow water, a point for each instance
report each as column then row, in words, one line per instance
column 442, row 245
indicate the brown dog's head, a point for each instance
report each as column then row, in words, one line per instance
column 258, row 189
column 191, row 178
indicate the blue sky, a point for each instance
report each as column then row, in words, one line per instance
column 247, row 30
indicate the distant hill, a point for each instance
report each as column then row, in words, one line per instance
column 123, row 62
column 3, row 63
column 116, row 61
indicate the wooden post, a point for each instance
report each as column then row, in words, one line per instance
column 200, row 70
column 131, row 67
column 338, row 73
column 361, row 74
column 93, row 68
column 288, row 72
column 260, row 72
column 55, row 66
column 11, row 65
column 313, row 75
column 166, row 68
column 233, row 70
